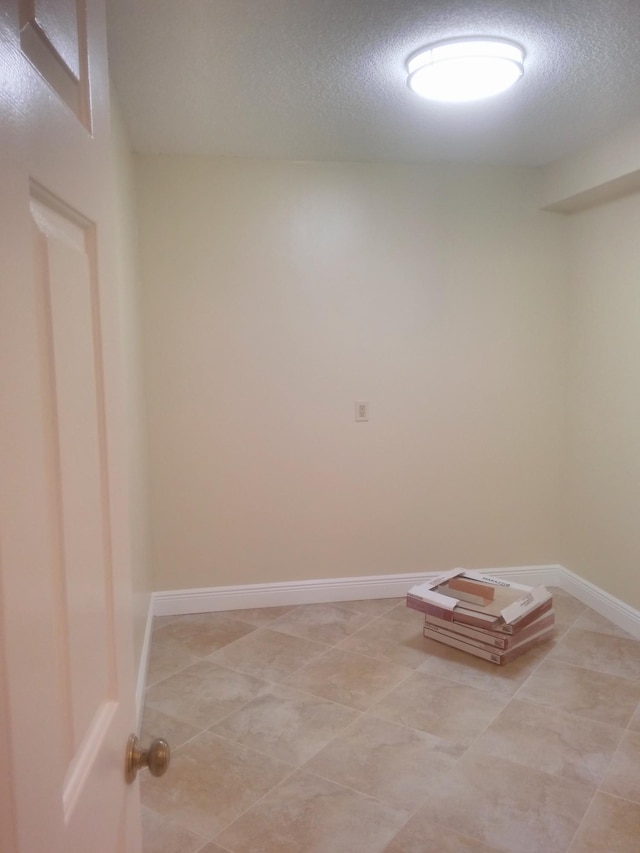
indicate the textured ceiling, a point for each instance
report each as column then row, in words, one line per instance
column 325, row 79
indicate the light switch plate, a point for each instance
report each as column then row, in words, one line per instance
column 362, row 410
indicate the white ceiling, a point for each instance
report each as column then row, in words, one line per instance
column 325, row 79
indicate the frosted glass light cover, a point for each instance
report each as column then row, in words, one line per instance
column 465, row 70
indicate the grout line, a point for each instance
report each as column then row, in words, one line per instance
column 618, row 797
column 228, row 739
column 370, row 711
column 581, row 821
column 151, row 684
column 253, row 805
column 172, row 822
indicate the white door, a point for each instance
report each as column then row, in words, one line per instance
column 66, row 698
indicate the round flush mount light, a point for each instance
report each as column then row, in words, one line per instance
column 465, row 69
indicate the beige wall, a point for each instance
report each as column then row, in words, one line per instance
column 128, row 272
column 602, row 535
column 275, row 295
column 605, row 170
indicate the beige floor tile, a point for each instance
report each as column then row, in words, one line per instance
column 349, row 679
column 309, row 814
column 457, row 665
column 287, row 724
column 441, row 707
column 423, row 836
column 508, row 806
column 323, row 623
column 566, row 607
column 203, row 693
column 258, row 616
column 167, row 657
column 210, row 782
column 161, row 621
column 434, row 741
column 203, row 633
column 158, row 724
column 267, row 654
column 592, row 695
column 389, row 762
column 402, row 613
column 160, row 835
column 552, row 741
column 372, row 606
column 394, row 641
column 602, row 652
column 610, row 825
column 592, row 621
column 623, row 775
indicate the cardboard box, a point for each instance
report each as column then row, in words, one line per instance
column 512, row 603
column 490, row 639
column 492, row 655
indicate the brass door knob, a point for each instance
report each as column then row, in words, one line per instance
column 156, row 758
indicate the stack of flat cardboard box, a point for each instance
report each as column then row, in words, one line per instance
column 488, row 617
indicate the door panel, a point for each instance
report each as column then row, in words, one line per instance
column 66, row 686
column 53, row 36
column 53, row 18
column 78, row 474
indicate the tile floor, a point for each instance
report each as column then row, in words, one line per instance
column 337, row 728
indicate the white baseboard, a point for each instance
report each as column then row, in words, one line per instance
column 602, row 602
column 144, row 663
column 529, row 575
column 212, row 599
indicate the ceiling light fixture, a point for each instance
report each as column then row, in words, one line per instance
column 466, row 69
